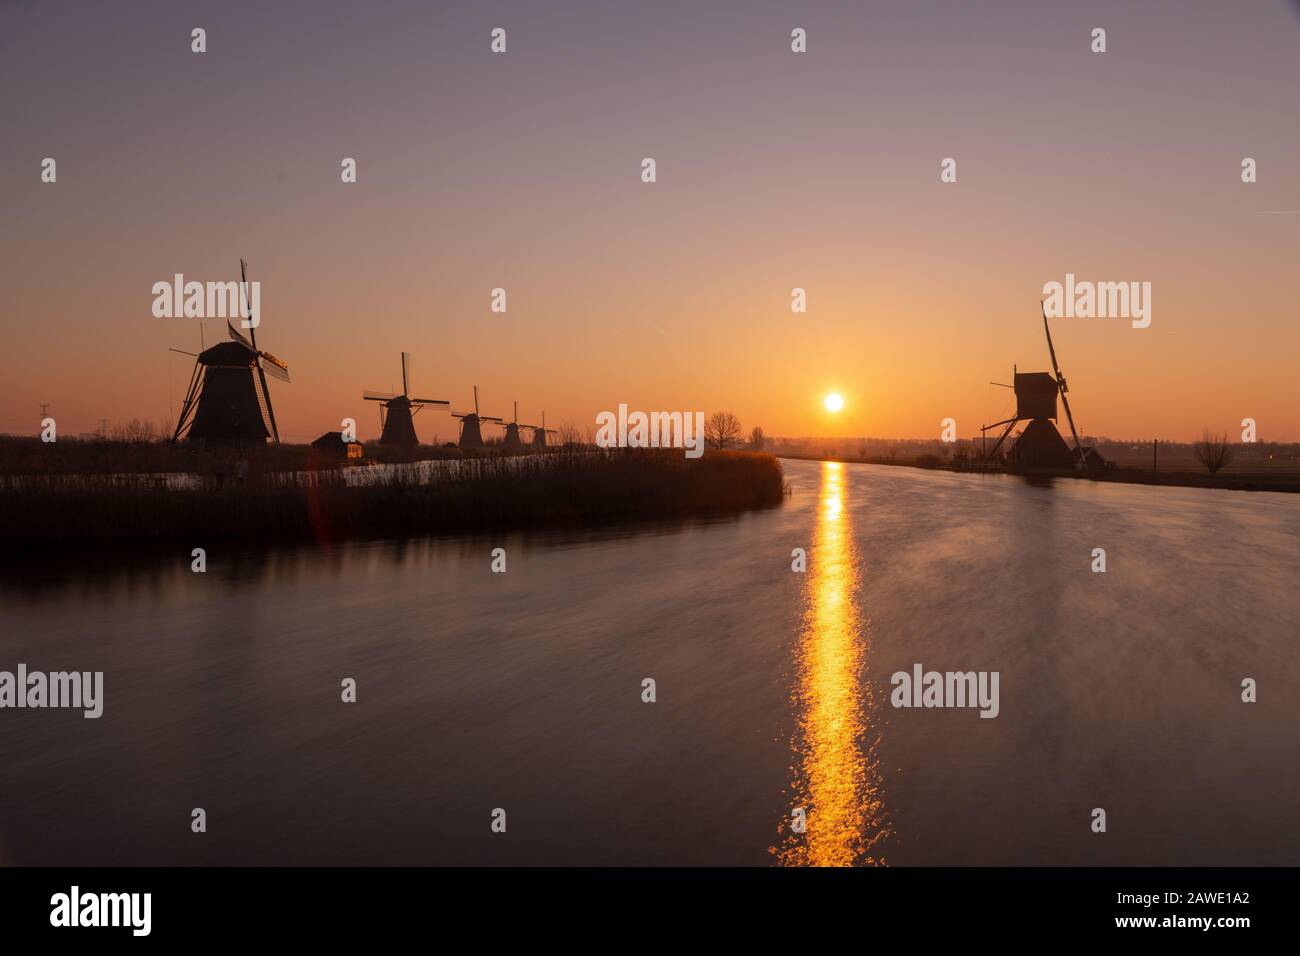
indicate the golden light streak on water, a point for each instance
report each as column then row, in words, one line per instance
column 836, row 777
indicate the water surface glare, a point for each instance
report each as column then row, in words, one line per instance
column 523, row 690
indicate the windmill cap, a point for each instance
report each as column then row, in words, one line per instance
column 227, row 353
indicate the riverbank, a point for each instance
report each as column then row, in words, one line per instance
column 1234, row 481
column 555, row 490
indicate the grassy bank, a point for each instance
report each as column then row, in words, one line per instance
column 544, row 490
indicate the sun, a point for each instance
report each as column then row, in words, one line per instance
column 833, row 402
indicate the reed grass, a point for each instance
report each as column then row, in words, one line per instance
column 560, row 489
column 20, row 455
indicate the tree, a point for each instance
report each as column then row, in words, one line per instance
column 1213, row 451
column 571, row 437
column 722, row 430
column 133, row 431
column 756, row 438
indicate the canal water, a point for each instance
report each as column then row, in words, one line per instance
column 771, row 740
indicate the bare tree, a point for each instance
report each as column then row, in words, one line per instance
column 722, row 430
column 571, row 436
column 756, row 438
column 1213, row 451
column 133, row 431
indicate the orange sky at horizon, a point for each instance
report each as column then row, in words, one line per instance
column 775, row 171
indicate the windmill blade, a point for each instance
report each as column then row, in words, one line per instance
column 1060, row 383
column 489, row 418
column 406, row 365
column 266, row 399
column 248, row 305
column 378, row 396
column 190, row 404
column 239, row 337
column 429, row 401
column 273, row 365
column 1056, row 369
column 275, row 370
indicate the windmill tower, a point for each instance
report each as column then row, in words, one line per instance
column 1040, row 445
column 471, row 434
column 396, row 411
column 227, row 402
column 540, row 433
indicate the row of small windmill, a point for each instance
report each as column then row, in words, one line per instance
column 228, row 402
column 397, row 414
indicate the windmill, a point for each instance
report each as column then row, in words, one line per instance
column 227, row 402
column 540, row 433
column 471, row 435
column 512, row 440
column 396, row 411
column 1040, row 444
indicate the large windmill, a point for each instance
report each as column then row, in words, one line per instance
column 228, row 402
column 540, row 432
column 1040, row 445
column 396, row 411
column 471, row 433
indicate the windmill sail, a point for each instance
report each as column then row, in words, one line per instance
column 276, row 372
column 1060, row 381
column 273, row 366
column 264, row 406
column 239, row 337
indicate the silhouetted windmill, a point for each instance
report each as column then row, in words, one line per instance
column 1040, row 444
column 512, row 441
column 396, row 411
column 471, row 433
column 540, row 433
column 228, row 402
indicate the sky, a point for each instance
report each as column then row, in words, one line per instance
column 775, row 170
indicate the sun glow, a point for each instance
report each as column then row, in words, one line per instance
column 833, row 402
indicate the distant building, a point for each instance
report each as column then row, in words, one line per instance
column 331, row 444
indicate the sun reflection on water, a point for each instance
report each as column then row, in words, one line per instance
column 836, row 778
